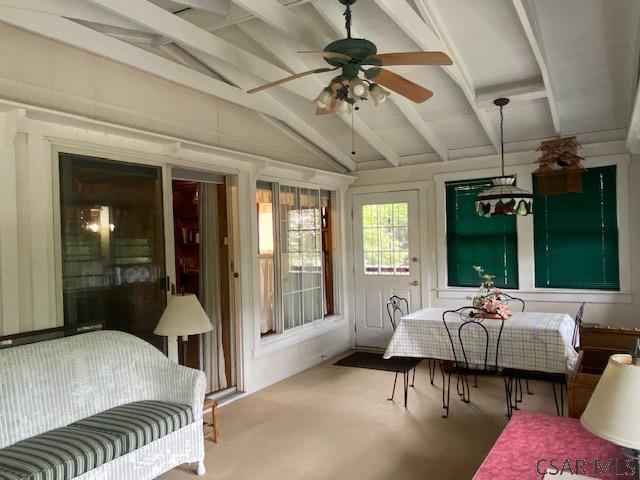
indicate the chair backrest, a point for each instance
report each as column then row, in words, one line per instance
column 577, row 325
column 470, row 339
column 397, row 307
column 511, row 300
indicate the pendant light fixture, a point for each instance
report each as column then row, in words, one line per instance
column 504, row 198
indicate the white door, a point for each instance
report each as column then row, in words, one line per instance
column 386, row 240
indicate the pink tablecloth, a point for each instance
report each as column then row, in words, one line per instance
column 533, row 442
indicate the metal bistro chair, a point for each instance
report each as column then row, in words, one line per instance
column 397, row 307
column 463, row 344
column 554, row 379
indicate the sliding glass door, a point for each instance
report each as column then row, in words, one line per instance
column 112, row 245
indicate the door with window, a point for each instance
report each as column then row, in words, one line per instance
column 386, row 234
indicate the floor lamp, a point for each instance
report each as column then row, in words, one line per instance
column 183, row 316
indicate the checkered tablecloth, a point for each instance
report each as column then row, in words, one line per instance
column 530, row 340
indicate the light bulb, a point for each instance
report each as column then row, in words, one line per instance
column 358, row 88
column 324, row 98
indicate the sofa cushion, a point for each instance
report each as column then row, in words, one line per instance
column 63, row 453
column 139, row 423
column 70, row 451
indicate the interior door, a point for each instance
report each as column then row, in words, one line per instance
column 386, row 236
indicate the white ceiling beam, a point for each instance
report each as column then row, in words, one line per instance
column 415, row 27
column 219, row 7
column 79, row 36
column 70, row 9
column 134, row 36
column 283, row 20
column 331, row 13
column 163, row 22
column 529, row 26
column 516, row 93
column 279, row 45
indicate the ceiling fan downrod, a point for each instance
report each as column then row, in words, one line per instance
column 347, row 15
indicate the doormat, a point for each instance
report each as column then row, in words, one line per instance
column 372, row 361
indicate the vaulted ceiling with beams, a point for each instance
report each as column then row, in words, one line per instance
column 569, row 67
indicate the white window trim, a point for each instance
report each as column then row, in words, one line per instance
column 526, row 263
column 265, row 345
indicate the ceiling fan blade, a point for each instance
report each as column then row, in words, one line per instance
column 323, row 54
column 412, row 58
column 401, row 85
column 330, row 109
column 288, row 79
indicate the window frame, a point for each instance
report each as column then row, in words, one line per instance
column 283, row 338
column 526, row 259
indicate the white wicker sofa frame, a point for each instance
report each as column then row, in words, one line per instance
column 53, row 384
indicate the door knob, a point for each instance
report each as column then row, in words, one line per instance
column 415, row 283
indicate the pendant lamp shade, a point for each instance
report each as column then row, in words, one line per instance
column 504, row 198
column 183, row 316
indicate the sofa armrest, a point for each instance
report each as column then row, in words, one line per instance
column 184, row 385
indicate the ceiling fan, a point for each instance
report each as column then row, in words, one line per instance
column 354, row 56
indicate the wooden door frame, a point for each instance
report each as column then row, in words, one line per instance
column 426, row 210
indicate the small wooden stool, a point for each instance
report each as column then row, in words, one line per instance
column 212, row 426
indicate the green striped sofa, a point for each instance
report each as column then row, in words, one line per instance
column 102, row 405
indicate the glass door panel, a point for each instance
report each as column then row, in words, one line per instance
column 113, row 265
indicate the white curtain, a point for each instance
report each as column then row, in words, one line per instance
column 212, row 348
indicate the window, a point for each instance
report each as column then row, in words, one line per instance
column 473, row 240
column 576, row 235
column 385, row 239
column 294, row 243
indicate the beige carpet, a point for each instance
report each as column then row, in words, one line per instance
column 333, row 422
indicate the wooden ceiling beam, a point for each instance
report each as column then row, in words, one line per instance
column 528, row 24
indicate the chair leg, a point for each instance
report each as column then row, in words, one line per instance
column 466, row 391
column 519, row 391
column 555, row 397
column 406, row 386
column 529, row 392
column 393, row 392
column 446, row 397
column 507, row 389
column 432, row 369
column 562, row 385
column 413, row 380
column 475, row 381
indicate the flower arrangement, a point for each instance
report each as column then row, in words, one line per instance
column 488, row 295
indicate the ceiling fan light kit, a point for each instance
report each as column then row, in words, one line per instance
column 504, row 198
column 360, row 66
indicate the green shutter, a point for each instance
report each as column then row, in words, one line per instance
column 576, row 235
column 473, row 240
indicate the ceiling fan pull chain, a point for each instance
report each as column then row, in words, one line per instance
column 353, row 137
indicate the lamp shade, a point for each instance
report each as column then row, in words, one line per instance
column 183, row 316
column 612, row 412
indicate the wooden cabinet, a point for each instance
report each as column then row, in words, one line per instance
column 596, row 346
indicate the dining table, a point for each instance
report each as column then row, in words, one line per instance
column 531, row 341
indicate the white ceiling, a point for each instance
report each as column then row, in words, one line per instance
column 569, row 66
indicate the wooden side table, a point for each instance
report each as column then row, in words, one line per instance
column 211, row 429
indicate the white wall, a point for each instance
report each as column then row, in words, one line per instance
column 54, row 97
column 620, row 310
column 39, row 71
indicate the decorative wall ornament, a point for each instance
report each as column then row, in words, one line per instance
column 560, row 169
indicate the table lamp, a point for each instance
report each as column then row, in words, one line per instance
column 613, row 413
column 183, row 316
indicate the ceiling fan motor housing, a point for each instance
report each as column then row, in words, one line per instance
column 358, row 49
